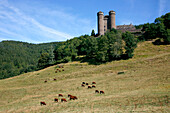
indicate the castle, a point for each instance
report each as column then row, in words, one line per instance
column 107, row 22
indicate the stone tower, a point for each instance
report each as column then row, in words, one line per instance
column 100, row 23
column 106, row 22
column 112, row 19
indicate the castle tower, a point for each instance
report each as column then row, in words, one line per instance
column 100, row 23
column 106, row 23
column 112, row 19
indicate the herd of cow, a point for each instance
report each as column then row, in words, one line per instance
column 69, row 95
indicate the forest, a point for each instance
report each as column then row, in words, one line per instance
column 21, row 57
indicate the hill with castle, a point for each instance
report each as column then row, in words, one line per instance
column 122, row 72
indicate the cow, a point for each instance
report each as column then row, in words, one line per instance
column 55, row 71
column 56, row 100
column 59, row 70
column 93, row 82
column 54, row 79
column 69, row 95
column 87, row 84
column 73, row 97
column 62, row 69
column 42, row 103
column 83, row 85
column 89, row 87
column 63, row 100
column 96, row 91
column 101, row 92
column 93, row 86
column 45, row 81
column 60, row 95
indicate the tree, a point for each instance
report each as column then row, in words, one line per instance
column 43, row 60
column 130, row 44
column 93, row 33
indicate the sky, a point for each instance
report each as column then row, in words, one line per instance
column 42, row 21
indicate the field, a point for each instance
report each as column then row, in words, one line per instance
column 144, row 86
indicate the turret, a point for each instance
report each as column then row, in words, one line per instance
column 100, row 23
column 112, row 19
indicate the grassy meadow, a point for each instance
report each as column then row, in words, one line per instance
column 144, row 87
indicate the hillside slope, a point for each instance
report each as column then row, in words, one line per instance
column 21, row 57
column 144, row 86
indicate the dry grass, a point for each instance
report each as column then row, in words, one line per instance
column 144, row 87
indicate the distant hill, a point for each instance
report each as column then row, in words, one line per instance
column 20, row 57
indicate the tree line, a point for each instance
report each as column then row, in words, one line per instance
column 160, row 29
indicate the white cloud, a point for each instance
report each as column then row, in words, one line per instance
column 14, row 15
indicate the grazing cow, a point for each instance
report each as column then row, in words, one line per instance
column 55, row 71
column 87, row 83
column 63, row 70
column 62, row 66
column 63, row 100
column 69, row 95
column 59, row 70
column 101, row 92
column 73, row 97
column 42, row 103
column 60, row 95
column 83, row 85
column 54, row 79
column 93, row 82
column 89, row 87
column 56, row 100
column 93, row 86
column 45, row 81
column 96, row 91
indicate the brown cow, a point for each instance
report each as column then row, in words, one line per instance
column 59, row 70
column 63, row 70
column 96, row 91
column 89, row 87
column 56, row 99
column 42, row 103
column 69, row 95
column 45, row 81
column 93, row 82
column 73, row 97
column 55, row 71
column 60, row 95
column 63, row 100
column 101, row 92
column 83, row 85
column 87, row 83
column 93, row 86
column 54, row 79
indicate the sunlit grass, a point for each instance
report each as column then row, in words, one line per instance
column 144, row 87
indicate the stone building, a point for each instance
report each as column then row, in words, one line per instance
column 107, row 22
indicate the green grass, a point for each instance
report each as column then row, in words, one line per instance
column 144, row 87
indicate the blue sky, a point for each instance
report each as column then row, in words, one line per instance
column 39, row 21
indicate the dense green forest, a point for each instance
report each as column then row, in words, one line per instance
column 20, row 57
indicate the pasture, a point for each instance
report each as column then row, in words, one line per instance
column 143, row 87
